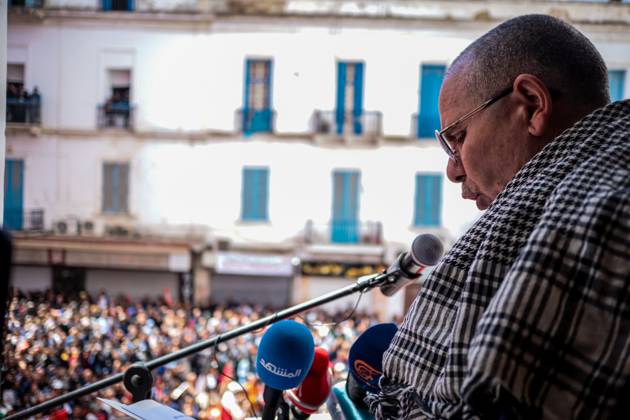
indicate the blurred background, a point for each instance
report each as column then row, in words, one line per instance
column 172, row 161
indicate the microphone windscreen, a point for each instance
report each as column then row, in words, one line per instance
column 285, row 355
column 315, row 389
column 427, row 249
column 366, row 355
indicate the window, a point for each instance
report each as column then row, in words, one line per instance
column 22, row 105
column 349, row 107
column 115, row 188
column 345, row 220
column 257, row 114
column 13, row 194
column 616, row 79
column 255, row 194
column 118, row 5
column 116, row 112
column 431, row 77
column 428, row 200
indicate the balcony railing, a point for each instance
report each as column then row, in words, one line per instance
column 423, row 127
column 24, row 111
column 368, row 124
column 27, row 4
column 251, row 121
column 116, row 115
column 26, row 220
column 344, row 232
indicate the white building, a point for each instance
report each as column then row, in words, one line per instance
column 251, row 150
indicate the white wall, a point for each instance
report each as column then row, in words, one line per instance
column 188, row 80
column 177, row 183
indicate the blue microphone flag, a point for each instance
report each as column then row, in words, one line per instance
column 285, row 355
column 366, row 355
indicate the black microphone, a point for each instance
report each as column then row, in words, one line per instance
column 426, row 251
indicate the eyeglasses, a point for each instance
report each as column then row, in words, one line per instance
column 439, row 134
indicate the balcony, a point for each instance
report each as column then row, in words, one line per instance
column 24, row 110
column 367, row 126
column 24, row 220
column 423, row 127
column 26, row 4
column 250, row 121
column 344, row 232
column 115, row 115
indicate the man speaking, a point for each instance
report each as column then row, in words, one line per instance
column 528, row 315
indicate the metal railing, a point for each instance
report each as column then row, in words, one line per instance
column 24, row 220
column 368, row 124
column 344, row 232
column 115, row 115
column 27, row 4
column 251, row 121
column 24, row 111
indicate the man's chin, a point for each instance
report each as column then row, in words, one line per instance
column 482, row 202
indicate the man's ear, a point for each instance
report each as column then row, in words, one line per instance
column 535, row 98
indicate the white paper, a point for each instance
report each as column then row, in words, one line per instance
column 147, row 410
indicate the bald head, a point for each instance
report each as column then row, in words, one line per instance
column 544, row 46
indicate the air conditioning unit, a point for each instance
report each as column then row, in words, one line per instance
column 67, row 227
column 87, row 228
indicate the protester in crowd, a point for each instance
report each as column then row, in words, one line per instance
column 56, row 344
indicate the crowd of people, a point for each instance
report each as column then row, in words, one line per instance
column 56, row 344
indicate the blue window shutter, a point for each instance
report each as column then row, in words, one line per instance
column 430, row 84
column 13, row 212
column 341, row 96
column 254, row 194
column 358, row 98
column 345, row 223
column 107, row 5
column 268, row 84
column 246, row 110
column 428, row 200
column 616, row 80
column 131, row 5
column 115, row 188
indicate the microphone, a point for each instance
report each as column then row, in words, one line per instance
column 285, row 355
column 313, row 392
column 426, row 251
column 365, row 360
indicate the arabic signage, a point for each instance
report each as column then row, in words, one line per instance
column 253, row 264
column 333, row 269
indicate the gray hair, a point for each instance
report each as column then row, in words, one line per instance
column 550, row 49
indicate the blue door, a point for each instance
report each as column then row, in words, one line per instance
column 428, row 200
column 431, row 77
column 349, row 107
column 14, row 194
column 345, row 223
column 257, row 114
column 616, row 80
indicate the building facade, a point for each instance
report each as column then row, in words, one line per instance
column 240, row 150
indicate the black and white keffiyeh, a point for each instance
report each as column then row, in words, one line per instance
column 530, row 309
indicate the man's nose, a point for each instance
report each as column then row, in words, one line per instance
column 455, row 171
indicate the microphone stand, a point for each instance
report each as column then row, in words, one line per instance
column 138, row 377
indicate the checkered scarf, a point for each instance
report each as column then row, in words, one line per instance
column 530, row 309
